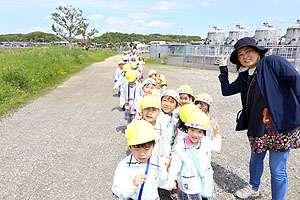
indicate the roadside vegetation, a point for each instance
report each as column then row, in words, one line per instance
column 28, row 73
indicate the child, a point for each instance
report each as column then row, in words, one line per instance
column 132, row 91
column 119, row 72
column 152, row 74
column 191, row 161
column 140, row 173
column 163, row 85
column 150, row 111
column 160, row 85
column 184, row 112
column 141, row 65
column 185, row 97
column 185, row 94
column 147, row 87
column 138, row 75
column 204, row 102
column 121, row 81
column 125, row 59
column 169, row 102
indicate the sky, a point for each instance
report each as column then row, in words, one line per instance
column 177, row 17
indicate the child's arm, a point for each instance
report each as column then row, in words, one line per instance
column 169, row 182
column 119, row 81
column 217, row 137
column 123, row 185
column 116, row 75
column 122, row 96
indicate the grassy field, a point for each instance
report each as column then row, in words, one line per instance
column 28, row 73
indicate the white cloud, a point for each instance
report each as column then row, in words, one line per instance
column 124, row 25
column 206, row 3
column 165, row 5
column 48, row 17
column 159, row 24
column 139, row 21
column 87, row 1
column 140, row 16
column 96, row 17
column 117, row 5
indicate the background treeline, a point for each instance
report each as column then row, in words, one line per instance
column 106, row 38
column 30, row 37
column 124, row 37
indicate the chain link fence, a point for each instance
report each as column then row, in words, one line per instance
column 207, row 56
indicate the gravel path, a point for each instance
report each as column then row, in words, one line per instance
column 66, row 144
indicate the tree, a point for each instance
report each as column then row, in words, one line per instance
column 70, row 23
column 89, row 35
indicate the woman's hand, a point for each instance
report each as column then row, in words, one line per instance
column 223, row 61
column 139, row 179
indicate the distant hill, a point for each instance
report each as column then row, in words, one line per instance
column 105, row 38
column 124, row 37
column 30, row 37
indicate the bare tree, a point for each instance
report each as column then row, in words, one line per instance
column 70, row 23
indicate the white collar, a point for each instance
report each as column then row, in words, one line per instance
column 133, row 162
column 251, row 71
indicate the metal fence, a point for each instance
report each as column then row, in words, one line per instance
column 207, row 56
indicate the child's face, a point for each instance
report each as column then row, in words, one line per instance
column 153, row 76
column 168, row 104
column 195, row 135
column 148, row 88
column 184, row 99
column 203, row 106
column 142, row 154
column 121, row 66
column 132, row 83
column 150, row 114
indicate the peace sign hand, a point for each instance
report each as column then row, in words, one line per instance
column 223, row 61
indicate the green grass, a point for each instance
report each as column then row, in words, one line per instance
column 148, row 61
column 28, row 73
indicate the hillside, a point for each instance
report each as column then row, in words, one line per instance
column 124, row 37
column 30, row 37
column 105, row 38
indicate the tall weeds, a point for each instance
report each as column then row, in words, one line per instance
column 28, row 73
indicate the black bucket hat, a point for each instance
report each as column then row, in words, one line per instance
column 245, row 42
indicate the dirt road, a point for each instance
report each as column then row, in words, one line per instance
column 66, row 144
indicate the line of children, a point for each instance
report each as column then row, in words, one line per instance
column 180, row 143
column 128, row 84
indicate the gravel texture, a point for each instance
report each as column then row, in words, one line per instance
column 67, row 143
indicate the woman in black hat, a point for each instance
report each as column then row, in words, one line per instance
column 270, row 94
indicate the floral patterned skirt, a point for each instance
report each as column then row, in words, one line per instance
column 276, row 142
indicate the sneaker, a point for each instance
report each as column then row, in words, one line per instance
column 247, row 192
